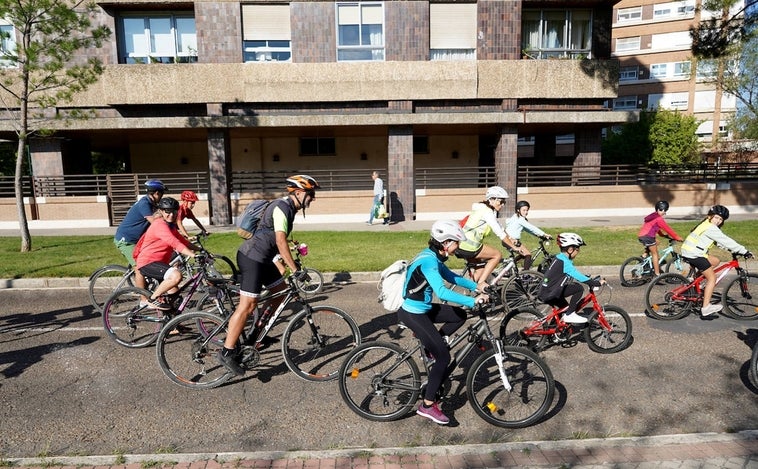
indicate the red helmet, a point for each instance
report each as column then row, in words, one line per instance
column 189, row 196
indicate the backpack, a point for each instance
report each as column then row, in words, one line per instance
column 391, row 285
column 247, row 222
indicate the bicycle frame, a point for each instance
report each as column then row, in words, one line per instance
column 539, row 327
column 663, row 256
column 684, row 292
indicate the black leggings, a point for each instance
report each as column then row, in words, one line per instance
column 573, row 290
column 423, row 326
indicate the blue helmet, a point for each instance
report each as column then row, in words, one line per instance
column 155, row 185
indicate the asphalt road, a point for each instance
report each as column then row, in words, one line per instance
column 66, row 389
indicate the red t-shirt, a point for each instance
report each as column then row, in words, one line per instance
column 184, row 212
column 159, row 243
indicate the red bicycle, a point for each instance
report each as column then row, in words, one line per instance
column 608, row 330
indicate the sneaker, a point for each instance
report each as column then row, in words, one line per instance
column 230, row 363
column 433, row 413
column 710, row 310
column 158, row 304
column 574, row 318
column 369, row 223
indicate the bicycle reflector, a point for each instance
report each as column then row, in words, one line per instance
column 354, row 373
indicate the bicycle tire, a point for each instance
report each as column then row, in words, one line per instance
column 127, row 322
column 223, row 268
column 531, row 394
column 311, row 282
column 632, row 272
column 658, row 301
column 738, row 304
column 677, row 265
column 367, row 394
column 314, row 361
column 106, row 280
column 752, row 371
column 515, row 322
column 521, row 290
column 611, row 334
column 185, row 357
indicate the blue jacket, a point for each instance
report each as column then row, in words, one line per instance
column 426, row 277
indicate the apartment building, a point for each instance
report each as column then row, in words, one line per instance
column 228, row 86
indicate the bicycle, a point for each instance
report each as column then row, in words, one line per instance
column 753, row 366
column 547, row 258
column 311, row 280
column 608, row 330
column 519, row 290
column 314, row 342
column 673, row 296
column 638, row 270
column 509, row 387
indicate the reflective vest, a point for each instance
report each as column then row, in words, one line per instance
column 696, row 245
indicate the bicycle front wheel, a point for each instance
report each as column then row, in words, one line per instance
column 659, row 298
column 753, row 370
column 521, row 290
column 311, row 282
column 187, row 350
column 635, row 272
column 377, row 383
column 740, row 297
column 610, row 332
column 513, row 329
column 104, row 281
column 316, row 341
column 130, row 322
column 223, row 267
column 531, row 393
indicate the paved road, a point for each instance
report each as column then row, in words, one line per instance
column 68, row 390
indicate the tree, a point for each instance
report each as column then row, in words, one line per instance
column 42, row 70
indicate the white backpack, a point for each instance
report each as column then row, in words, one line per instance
column 391, row 285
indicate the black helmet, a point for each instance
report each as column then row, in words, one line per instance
column 522, row 203
column 662, row 205
column 719, row 210
column 155, row 185
column 168, row 204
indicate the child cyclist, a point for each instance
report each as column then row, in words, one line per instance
column 695, row 251
column 185, row 211
column 516, row 224
column 426, row 278
column 653, row 226
column 558, row 283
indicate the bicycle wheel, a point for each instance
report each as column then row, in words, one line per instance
column 753, row 370
column 635, row 272
column 610, row 333
column 740, row 297
column 311, row 282
column 521, row 290
column 223, row 267
column 531, row 393
column 515, row 322
column 187, row 349
column 377, row 384
column 104, row 281
column 676, row 265
column 130, row 323
column 316, row 341
column 658, row 297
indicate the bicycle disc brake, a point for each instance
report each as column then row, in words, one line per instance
column 249, row 357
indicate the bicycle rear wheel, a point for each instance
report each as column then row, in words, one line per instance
column 610, row 333
column 187, row 350
column 531, row 394
column 312, row 281
column 635, row 272
column 521, row 290
column 316, row 341
column 753, row 370
column 130, row 323
column 512, row 329
column 659, row 301
column 740, row 297
column 104, row 281
column 377, row 384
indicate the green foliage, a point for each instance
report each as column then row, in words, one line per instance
column 673, row 138
column 631, row 144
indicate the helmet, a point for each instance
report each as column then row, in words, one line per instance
column 522, row 203
column 444, row 230
column 168, row 203
column 155, row 185
column 719, row 210
column 302, row 181
column 189, row 196
column 566, row 240
column 662, row 205
column 496, row 192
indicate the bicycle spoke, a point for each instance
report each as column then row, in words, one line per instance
column 130, row 323
column 740, row 297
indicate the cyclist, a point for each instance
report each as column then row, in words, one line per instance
column 255, row 259
column 189, row 198
column 695, row 251
column 558, row 284
column 516, row 224
column 155, row 250
column 653, row 226
column 479, row 223
column 426, row 277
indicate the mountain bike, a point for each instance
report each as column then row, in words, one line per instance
column 673, row 296
column 517, row 288
column 637, row 270
column 608, row 330
column 509, row 387
column 311, row 280
column 314, row 343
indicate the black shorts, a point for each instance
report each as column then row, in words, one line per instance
column 255, row 275
column 156, row 270
column 647, row 241
column 463, row 254
column 700, row 263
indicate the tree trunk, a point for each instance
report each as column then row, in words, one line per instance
column 23, row 223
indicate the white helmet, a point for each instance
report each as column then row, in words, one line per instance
column 444, row 230
column 566, row 240
column 496, row 192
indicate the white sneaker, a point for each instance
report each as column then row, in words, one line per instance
column 574, row 318
column 710, row 310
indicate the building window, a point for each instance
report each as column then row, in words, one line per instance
column 360, row 31
column 668, row 41
column 556, row 33
column 452, row 31
column 157, row 38
column 673, row 10
column 266, row 33
column 7, row 44
column 627, row 44
column 625, row 102
column 626, row 15
column 672, row 101
column 420, row 145
column 318, row 146
column 628, row 73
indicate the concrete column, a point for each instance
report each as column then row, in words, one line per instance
column 586, row 169
column 400, row 181
column 46, row 156
column 219, row 165
column 506, row 166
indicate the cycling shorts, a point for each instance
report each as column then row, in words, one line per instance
column 464, row 254
column 647, row 241
column 156, row 270
column 700, row 263
column 255, row 275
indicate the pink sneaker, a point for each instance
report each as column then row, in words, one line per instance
column 433, row 413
